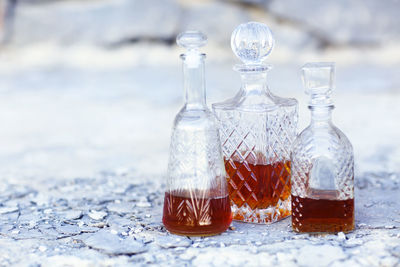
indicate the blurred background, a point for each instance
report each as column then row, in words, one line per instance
column 92, row 86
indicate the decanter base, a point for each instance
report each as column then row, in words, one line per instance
column 322, row 215
column 262, row 216
column 186, row 213
column 195, row 234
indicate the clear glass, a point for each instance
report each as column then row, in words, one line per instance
column 196, row 200
column 257, row 129
column 322, row 162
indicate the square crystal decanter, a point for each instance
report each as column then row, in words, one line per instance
column 256, row 130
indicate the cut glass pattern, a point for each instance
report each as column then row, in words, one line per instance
column 196, row 201
column 322, row 162
column 256, row 130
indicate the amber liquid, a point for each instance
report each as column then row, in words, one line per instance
column 259, row 185
column 322, row 215
column 190, row 214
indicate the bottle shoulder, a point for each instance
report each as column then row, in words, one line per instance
column 285, row 101
column 255, row 102
column 314, row 139
column 195, row 119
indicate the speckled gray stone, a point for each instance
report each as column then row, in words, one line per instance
column 133, row 237
column 113, row 244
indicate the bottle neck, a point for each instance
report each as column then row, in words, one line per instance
column 194, row 84
column 321, row 116
column 254, row 83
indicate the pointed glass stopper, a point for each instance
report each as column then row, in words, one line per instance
column 252, row 42
column 318, row 80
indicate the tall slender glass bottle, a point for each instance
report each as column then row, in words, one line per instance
column 322, row 162
column 196, row 200
column 256, row 129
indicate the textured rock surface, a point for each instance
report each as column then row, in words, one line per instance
column 98, row 22
column 54, row 225
column 301, row 25
column 340, row 22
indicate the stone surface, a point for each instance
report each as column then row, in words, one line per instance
column 96, row 22
column 133, row 237
column 300, row 24
column 352, row 27
column 342, row 22
column 112, row 244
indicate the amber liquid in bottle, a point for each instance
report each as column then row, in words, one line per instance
column 259, row 185
column 188, row 213
column 322, row 215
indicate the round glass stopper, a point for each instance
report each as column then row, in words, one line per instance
column 252, row 42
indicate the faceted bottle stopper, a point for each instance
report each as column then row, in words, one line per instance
column 319, row 80
column 192, row 41
column 252, row 42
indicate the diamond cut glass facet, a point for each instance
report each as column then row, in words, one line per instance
column 256, row 149
column 196, row 201
column 256, row 130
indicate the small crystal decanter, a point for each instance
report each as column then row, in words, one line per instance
column 196, row 200
column 322, row 162
column 256, row 130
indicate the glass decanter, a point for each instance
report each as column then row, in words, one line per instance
column 322, row 162
column 196, row 200
column 256, row 130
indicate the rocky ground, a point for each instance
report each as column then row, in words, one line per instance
column 86, row 114
column 115, row 219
